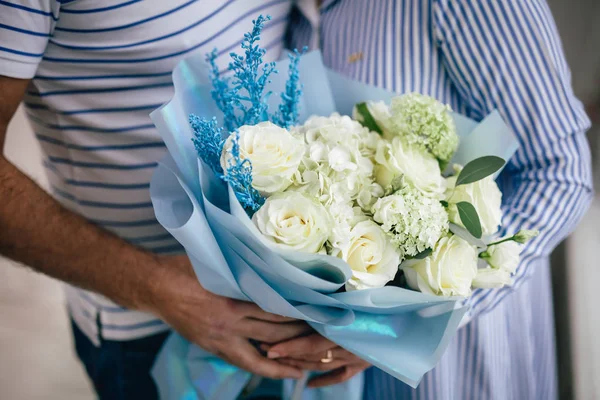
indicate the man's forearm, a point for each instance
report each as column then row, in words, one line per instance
column 37, row 231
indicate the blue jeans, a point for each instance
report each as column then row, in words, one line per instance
column 120, row 370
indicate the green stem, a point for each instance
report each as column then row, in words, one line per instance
column 508, row 239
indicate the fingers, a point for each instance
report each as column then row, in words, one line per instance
column 241, row 353
column 312, row 365
column 311, row 344
column 337, row 353
column 268, row 332
column 337, row 376
column 253, row 311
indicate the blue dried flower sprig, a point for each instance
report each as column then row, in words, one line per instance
column 208, row 141
column 224, row 97
column 241, row 98
column 243, row 101
column 239, row 176
column 290, row 99
column 248, row 82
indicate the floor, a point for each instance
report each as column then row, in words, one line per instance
column 37, row 360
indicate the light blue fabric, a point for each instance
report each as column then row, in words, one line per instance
column 400, row 331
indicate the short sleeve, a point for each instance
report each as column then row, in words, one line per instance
column 25, row 28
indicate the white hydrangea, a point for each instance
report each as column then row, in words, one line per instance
column 414, row 221
column 338, row 163
column 338, row 129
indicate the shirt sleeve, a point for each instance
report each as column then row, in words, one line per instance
column 506, row 55
column 25, row 28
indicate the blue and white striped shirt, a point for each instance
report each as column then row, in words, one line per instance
column 99, row 68
column 480, row 55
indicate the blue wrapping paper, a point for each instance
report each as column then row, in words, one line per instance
column 403, row 332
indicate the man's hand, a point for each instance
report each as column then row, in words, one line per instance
column 307, row 352
column 217, row 324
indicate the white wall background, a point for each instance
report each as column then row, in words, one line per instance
column 577, row 22
column 584, row 275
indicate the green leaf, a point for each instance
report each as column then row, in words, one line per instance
column 444, row 203
column 470, row 219
column 367, row 119
column 466, row 236
column 424, row 254
column 478, row 169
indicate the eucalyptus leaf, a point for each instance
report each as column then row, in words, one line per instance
column 478, row 169
column 469, row 218
column 367, row 119
column 467, row 237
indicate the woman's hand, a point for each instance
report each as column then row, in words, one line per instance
column 315, row 353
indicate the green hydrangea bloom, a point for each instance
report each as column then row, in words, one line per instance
column 427, row 123
column 413, row 221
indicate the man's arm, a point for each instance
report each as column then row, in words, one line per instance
column 37, row 231
column 506, row 55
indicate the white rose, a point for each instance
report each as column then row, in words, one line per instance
column 491, row 278
column 396, row 158
column 275, row 155
column 448, row 271
column 504, row 256
column 344, row 217
column 293, row 221
column 484, row 195
column 373, row 259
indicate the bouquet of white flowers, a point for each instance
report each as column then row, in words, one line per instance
column 370, row 190
column 366, row 223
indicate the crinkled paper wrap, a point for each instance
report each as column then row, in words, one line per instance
column 400, row 331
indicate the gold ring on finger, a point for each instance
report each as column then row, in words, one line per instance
column 328, row 357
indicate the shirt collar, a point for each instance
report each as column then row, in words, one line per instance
column 311, row 11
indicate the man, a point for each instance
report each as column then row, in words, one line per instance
column 89, row 73
column 477, row 56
